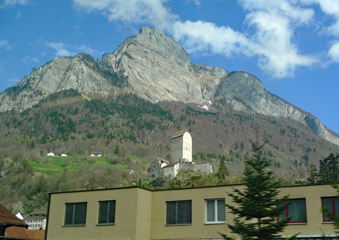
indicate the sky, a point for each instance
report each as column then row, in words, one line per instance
column 292, row 46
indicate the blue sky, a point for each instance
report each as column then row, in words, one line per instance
column 291, row 46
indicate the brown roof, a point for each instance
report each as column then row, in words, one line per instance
column 41, row 211
column 19, row 232
column 179, row 134
column 9, row 219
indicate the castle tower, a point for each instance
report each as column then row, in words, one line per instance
column 181, row 147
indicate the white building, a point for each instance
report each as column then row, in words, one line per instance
column 37, row 220
column 181, row 159
column 181, row 147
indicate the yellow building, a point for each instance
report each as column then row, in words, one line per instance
column 196, row 213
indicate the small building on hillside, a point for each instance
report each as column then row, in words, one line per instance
column 95, row 154
column 51, row 154
column 181, row 159
column 37, row 220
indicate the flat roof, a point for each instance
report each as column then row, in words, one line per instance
column 174, row 189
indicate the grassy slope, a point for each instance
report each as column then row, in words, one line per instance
column 56, row 165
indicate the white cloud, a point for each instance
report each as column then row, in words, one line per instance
column 288, row 9
column 273, row 24
column 329, row 7
column 14, row 80
column 205, row 36
column 5, row 44
column 29, row 59
column 197, row 2
column 132, row 11
column 269, row 37
column 14, row 2
column 86, row 49
column 272, row 42
column 333, row 53
column 60, row 49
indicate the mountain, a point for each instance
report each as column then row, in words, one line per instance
column 154, row 67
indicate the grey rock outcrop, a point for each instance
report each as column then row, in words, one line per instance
column 158, row 69
column 79, row 72
column 155, row 67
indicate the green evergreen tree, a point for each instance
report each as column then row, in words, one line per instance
column 329, row 168
column 312, row 171
column 117, row 150
column 257, row 206
column 223, row 171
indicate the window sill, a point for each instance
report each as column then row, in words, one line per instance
column 175, row 225
column 214, row 223
column 328, row 222
column 297, row 223
column 74, row 225
column 105, row 224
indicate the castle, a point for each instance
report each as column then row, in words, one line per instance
column 181, row 159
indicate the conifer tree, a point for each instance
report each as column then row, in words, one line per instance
column 223, row 171
column 257, row 206
column 329, row 168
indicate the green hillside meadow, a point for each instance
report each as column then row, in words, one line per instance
column 56, row 165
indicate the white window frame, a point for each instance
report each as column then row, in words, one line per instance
column 215, row 211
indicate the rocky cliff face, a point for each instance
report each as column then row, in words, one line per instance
column 80, row 72
column 157, row 68
column 153, row 66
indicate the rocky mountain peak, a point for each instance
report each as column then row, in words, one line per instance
column 149, row 43
column 155, row 67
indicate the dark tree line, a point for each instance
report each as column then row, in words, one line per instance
column 328, row 171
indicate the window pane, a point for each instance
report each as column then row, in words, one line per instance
column 80, row 213
column 221, row 210
column 184, row 212
column 327, row 204
column 297, row 210
column 336, row 205
column 107, row 211
column 69, row 214
column 210, row 211
column 103, row 206
column 111, row 217
column 171, row 213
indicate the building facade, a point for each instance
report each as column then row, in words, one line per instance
column 135, row 213
column 37, row 219
column 181, row 147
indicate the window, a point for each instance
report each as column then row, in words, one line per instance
column 215, row 211
column 75, row 213
column 331, row 207
column 106, row 212
column 295, row 211
column 179, row 212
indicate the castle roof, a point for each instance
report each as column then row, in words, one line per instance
column 179, row 134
